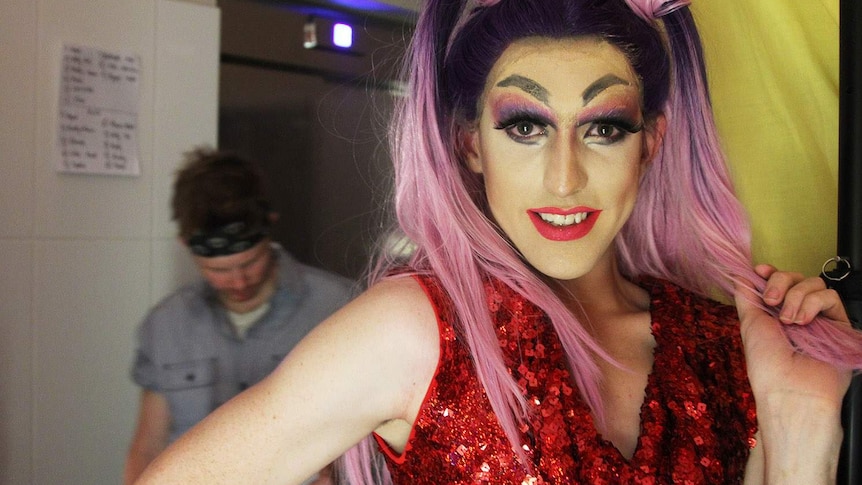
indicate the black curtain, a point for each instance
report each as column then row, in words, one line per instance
column 850, row 221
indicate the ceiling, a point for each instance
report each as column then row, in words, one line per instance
column 387, row 10
column 263, row 57
column 412, row 5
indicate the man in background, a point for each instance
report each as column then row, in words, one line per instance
column 210, row 340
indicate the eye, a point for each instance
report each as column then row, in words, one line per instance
column 523, row 130
column 607, row 132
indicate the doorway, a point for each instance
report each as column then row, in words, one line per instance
column 316, row 122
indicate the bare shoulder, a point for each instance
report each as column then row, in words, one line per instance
column 407, row 339
column 399, row 302
column 399, row 322
column 386, row 340
column 396, row 309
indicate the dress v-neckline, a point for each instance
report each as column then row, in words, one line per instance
column 648, row 395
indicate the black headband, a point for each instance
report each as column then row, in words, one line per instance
column 228, row 239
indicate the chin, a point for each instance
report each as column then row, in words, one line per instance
column 238, row 298
column 560, row 272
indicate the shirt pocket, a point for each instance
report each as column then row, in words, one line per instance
column 190, row 389
column 189, row 374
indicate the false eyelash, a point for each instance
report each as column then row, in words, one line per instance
column 621, row 123
column 518, row 117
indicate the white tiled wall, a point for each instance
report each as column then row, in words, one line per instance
column 82, row 257
column 99, row 206
column 16, row 353
column 89, row 299
column 18, row 111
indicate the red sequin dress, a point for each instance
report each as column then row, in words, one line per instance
column 697, row 420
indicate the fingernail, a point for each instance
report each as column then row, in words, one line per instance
column 771, row 295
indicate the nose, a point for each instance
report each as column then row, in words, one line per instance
column 564, row 172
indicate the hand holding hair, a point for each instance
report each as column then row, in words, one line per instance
column 798, row 397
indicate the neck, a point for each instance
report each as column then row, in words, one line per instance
column 604, row 291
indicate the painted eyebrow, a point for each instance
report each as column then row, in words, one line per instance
column 527, row 85
column 600, row 85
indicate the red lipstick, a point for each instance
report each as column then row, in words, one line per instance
column 570, row 232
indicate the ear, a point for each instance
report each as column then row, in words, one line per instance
column 653, row 138
column 468, row 147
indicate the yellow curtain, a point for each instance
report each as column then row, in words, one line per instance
column 773, row 73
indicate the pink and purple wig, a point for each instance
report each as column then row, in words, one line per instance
column 687, row 225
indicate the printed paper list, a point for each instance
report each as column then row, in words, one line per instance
column 98, row 119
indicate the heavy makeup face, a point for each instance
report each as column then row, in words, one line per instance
column 561, row 144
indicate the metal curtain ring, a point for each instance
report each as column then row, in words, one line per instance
column 838, row 260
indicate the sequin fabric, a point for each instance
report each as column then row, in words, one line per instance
column 697, row 419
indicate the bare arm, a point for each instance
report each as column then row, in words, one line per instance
column 798, row 398
column 151, row 435
column 754, row 470
column 798, row 443
column 801, row 446
column 368, row 365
